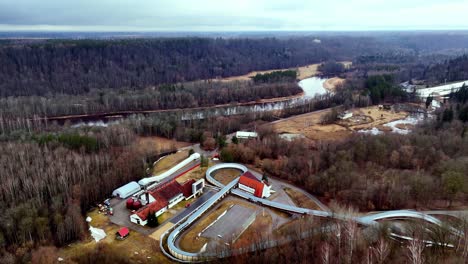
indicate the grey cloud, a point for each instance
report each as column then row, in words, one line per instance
column 228, row 14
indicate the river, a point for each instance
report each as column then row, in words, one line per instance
column 311, row 86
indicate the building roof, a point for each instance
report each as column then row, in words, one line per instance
column 152, row 208
column 162, row 194
column 167, row 191
column 123, row 232
column 126, row 190
column 249, row 180
column 187, row 188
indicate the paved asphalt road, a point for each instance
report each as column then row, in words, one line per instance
column 207, row 195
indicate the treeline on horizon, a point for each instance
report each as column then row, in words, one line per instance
column 78, row 66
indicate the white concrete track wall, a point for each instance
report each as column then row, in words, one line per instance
column 160, row 177
column 184, row 256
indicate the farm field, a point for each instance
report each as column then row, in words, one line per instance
column 303, row 72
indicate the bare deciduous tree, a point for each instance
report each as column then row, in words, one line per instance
column 415, row 248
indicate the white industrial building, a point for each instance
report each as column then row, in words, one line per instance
column 127, row 190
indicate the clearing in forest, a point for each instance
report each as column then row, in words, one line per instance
column 302, row 72
column 310, row 125
column 169, row 161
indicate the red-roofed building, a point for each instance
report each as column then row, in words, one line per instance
column 159, row 200
column 187, row 188
column 122, row 233
column 171, row 192
column 249, row 183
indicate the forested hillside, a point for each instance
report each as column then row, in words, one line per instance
column 75, row 67
column 448, row 71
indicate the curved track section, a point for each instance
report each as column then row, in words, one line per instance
column 369, row 220
column 398, row 214
column 189, row 256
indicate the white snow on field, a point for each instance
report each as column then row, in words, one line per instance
column 373, row 131
column 440, row 90
column 410, row 120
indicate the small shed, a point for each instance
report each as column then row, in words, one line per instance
column 127, row 190
column 122, row 233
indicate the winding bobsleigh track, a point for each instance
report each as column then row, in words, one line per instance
column 183, row 256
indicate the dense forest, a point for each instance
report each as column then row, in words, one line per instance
column 50, row 179
column 448, row 71
column 78, row 66
column 75, row 67
column 177, row 96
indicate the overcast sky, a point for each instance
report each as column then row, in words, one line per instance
column 232, row 15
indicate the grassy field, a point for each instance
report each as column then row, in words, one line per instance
column 137, row 248
column 377, row 117
column 196, row 174
column 310, row 125
column 156, row 235
column 332, row 84
column 157, row 144
column 226, row 176
column 169, row 161
column 303, row 72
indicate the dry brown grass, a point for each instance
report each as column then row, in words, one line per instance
column 165, row 216
column 294, row 227
column 303, row 72
column 158, row 144
column 169, row 161
column 301, row 199
column 196, row 174
column 363, row 118
column 260, row 228
column 333, row 83
column 226, row 176
column 136, row 242
column 307, row 71
column 377, row 117
column 309, row 126
column 156, row 235
column 405, row 126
